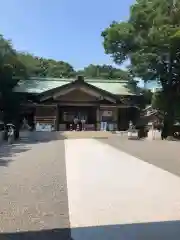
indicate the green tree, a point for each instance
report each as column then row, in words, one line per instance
column 158, row 102
column 11, row 69
column 10, row 57
column 59, row 69
column 147, row 93
column 8, row 97
column 105, row 72
column 31, row 63
column 151, row 40
column 42, row 67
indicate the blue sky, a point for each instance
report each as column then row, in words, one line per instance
column 68, row 30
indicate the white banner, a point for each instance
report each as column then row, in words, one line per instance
column 43, row 127
column 107, row 113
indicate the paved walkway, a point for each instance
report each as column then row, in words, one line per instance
column 107, row 187
column 111, row 194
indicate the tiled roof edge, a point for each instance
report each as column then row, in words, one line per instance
column 100, row 80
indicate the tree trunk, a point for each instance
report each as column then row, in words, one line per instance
column 168, row 116
column 17, row 134
column 17, row 131
column 168, row 98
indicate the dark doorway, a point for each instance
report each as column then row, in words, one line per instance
column 28, row 114
column 68, row 113
column 123, row 119
column 125, row 115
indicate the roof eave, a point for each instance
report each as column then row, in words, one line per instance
column 48, row 94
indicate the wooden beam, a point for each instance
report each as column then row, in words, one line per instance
column 94, row 93
column 78, row 104
column 63, row 92
column 83, row 89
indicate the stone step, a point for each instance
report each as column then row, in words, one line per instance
column 86, row 134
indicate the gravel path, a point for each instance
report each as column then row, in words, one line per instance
column 163, row 154
column 33, row 190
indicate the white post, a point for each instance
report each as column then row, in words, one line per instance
column 153, row 132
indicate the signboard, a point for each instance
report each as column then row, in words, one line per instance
column 107, row 113
column 132, row 134
column 111, row 126
column 43, row 127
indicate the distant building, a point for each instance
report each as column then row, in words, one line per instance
column 59, row 101
column 156, row 89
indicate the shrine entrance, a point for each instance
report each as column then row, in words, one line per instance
column 68, row 113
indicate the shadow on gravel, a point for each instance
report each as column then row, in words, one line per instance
column 52, row 234
column 136, row 231
column 8, row 152
column 4, row 163
column 37, row 137
column 99, row 138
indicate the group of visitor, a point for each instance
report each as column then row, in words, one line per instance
column 78, row 124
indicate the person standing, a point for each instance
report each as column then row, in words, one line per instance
column 75, row 123
column 83, row 122
column 25, row 124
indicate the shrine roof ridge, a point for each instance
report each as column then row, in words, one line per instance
column 110, row 80
column 38, row 85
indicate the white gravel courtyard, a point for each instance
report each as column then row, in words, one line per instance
column 55, row 187
column 109, row 187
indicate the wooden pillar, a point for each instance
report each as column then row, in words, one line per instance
column 115, row 114
column 57, row 118
column 97, row 119
column 118, row 119
column 127, row 118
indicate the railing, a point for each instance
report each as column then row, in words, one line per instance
column 45, row 119
column 151, row 112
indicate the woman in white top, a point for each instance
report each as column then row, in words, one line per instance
column 75, row 123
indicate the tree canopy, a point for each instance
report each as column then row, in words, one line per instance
column 42, row 67
column 158, row 100
column 27, row 65
column 105, row 72
column 150, row 39
column 11, row 70
column 9, row 56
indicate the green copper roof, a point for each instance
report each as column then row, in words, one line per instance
column 40, row 85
